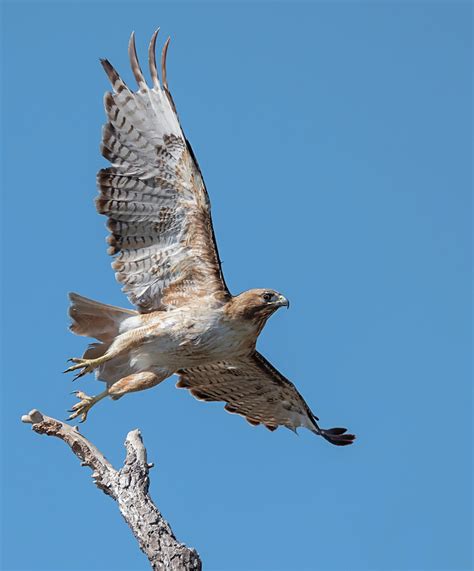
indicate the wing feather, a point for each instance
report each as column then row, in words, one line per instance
column 154, row 196
column 253, row 388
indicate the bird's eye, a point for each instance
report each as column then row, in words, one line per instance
column 267, row 296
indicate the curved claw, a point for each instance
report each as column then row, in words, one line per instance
column 74, row 368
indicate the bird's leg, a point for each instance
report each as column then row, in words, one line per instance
column 85, row 404
column 136, row 382
column 129, row 384
column 121, row 344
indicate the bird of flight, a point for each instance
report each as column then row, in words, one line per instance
column 187, row 322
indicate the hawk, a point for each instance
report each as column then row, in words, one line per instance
column 186, row 320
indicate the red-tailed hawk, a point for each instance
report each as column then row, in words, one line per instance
column 187, row 322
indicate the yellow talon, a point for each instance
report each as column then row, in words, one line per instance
column 83, row 407
column 84, row 366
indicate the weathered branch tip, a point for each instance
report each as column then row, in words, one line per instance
column 33, row 417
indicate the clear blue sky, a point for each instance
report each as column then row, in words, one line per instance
column 335, row 140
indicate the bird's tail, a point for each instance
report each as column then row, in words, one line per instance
column 94, row 319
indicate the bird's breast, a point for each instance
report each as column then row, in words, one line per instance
column 182, row 339
column 185, row 338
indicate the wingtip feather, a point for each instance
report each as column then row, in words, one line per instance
column 135, row 64
column 117, row 82
column 337, row 436
column 164, row 55
column 152, row 59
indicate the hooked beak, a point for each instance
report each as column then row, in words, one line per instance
column 283, row 302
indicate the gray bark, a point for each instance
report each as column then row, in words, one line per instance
column 129, row 488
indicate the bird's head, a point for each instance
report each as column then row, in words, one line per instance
column 258, row 303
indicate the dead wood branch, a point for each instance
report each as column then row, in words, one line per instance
column 129, row 488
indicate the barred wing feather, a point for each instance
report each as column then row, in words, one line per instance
column 154, row 196
column 253, row 388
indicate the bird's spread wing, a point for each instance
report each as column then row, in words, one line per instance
column 154, row 196
column 253, row 388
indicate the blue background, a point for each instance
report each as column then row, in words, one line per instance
column 335, row 140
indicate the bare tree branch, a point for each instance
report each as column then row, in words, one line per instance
column 129, row 488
